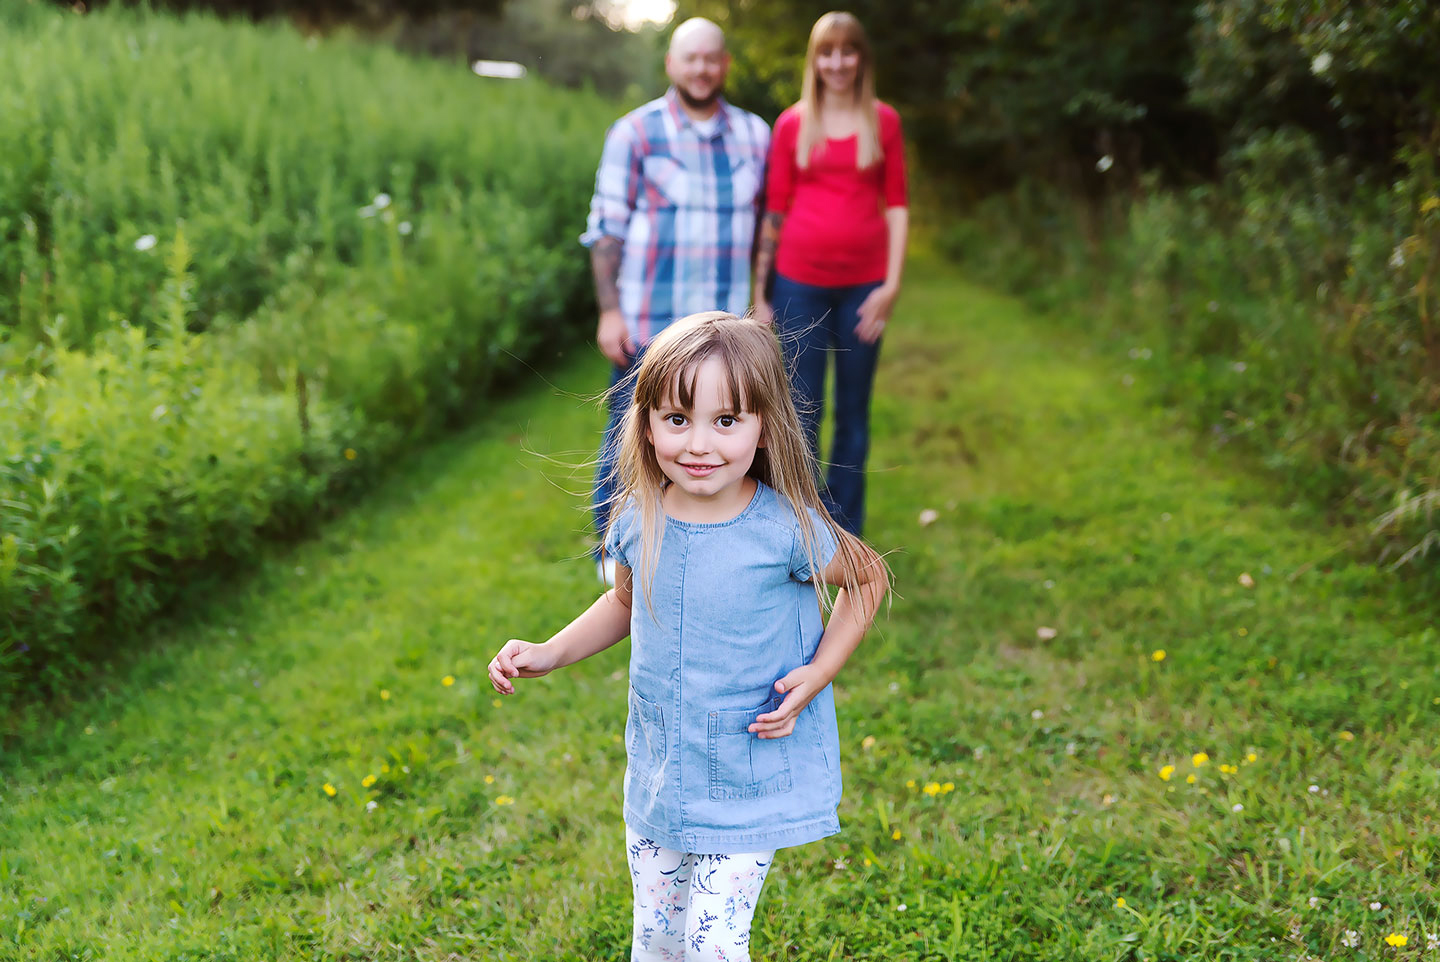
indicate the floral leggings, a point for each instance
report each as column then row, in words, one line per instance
column 691, row 907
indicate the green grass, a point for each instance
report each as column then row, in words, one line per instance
column 175, row 807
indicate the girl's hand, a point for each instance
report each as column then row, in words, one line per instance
column 799, row 688
column 874, row 312
column 519, row 659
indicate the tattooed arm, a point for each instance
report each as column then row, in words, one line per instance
column 611, row 333
column 765, row 262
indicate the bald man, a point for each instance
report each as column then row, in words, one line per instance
column 673, row 217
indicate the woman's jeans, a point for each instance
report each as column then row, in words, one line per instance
column 815, row 323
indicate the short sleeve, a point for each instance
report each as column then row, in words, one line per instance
column 892, row 143
column 780, row 169
column 825, row 547
column 620, row 536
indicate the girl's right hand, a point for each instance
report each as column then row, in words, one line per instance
column 519, row 659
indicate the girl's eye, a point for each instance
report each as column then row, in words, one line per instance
column 726, row 420
column 675, row 420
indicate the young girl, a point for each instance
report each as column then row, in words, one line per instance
column 835, row 231
column 722, row 552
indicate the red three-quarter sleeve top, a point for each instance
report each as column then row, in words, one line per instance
column 834, row 233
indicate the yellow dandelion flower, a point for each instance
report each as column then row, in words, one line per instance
column 868, row 863
column 910, row 784
column 1158, row 654
column 329, row 789
column 1395, row 939
column 1198, row 759
column 932, row 788
column 1242, row 632
column 384, row 694
column 448, row 680
column 1166, row 772
column 1120, row 902
column 489, row 779
column 368, row 780
column 1252, row 757
column 503, row 800
column 1347, row 736
column 895, row 835
column 1189, row 779
column 496, row 702
column 868, row 743
column 350, row 454
column 948, row 787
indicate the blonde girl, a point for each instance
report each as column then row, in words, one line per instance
column 723, row 556
column 832, row 245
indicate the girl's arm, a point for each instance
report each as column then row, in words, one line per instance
column 850, row 617
column 601, row 625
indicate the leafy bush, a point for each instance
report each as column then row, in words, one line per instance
column 238, row 270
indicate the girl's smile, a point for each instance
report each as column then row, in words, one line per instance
column 706, row 450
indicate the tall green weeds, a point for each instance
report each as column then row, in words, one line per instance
column 239, row 270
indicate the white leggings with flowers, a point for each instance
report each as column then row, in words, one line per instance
column 691, row 907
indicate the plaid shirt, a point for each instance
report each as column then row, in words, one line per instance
column 684, row 204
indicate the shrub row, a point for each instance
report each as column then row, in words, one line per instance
column 239, row 269
column 1290, row 307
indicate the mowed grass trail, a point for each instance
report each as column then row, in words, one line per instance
column 1127, row 704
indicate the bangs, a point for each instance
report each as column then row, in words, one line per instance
column 679, row 385
column 837, row 30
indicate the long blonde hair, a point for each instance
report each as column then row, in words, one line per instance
column 755, row 382
column 842, row 29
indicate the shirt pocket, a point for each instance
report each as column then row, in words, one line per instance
column 743, row 765
column 667, row 182
column 744, row 183
column 645, row 746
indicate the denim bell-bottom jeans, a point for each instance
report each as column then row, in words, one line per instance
column 816, row 324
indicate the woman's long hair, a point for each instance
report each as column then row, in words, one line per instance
column 755, row 381
column 838, row 29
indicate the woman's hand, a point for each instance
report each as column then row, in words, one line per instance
column 874, row 312
column 763, row 312
column 519, row 659
column 799, row 688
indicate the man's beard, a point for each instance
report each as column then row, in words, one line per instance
column 695, row 103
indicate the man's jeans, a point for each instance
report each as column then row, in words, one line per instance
column 607, row 481
column 815, row 323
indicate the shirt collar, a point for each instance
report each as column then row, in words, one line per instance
column 682, row 119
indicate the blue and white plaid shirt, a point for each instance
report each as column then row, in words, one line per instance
column 684, row 204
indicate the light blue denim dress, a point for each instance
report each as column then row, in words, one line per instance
column 731, row 613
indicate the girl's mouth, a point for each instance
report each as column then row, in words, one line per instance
column 699, row 470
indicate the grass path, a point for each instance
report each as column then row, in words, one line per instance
column 1007, row 732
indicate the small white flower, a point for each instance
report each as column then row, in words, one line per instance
column 159, row 412
column 1351, row 938
column 894, row 686
column 1071, row 748
column 145, row 242
column 371, row 805
column 1045, row 632
column 841, row 865
column 1127, row 380
column 1376, row 906
column 405, row 228
column 1238, row 367
column 381, row 201
column 1397, row 257
column 1321, row 62
column 1314, row 902
column 1237, row 807
column 928, row 517
column 1314, row 789
column 1049, row 584
column 1037, row 714
column 1432, row 942
column 901, row 907
column 1104, row 163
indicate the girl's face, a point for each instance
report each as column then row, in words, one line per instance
column 707, row 449
column 838, row 67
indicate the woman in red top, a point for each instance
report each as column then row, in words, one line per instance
column 834, row 234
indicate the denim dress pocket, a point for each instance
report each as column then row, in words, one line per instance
column 743, row 765
column 645, row 749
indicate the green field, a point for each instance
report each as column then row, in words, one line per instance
column 1007, row 728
